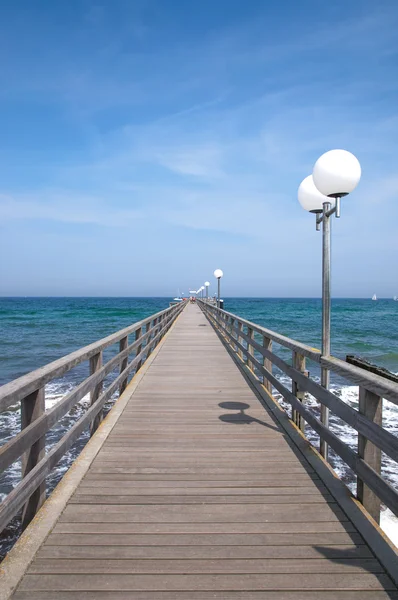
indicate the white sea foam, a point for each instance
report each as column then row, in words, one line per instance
column 389, row 524
column 56, row 390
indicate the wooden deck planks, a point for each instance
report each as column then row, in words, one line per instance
column 197, row 493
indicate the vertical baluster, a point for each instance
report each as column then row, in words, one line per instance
column 371, row 406
column 298, row 362
column 234, row 346
column 95, row 365
column 32, row 407
column 224, row 324
column 155, row 332
column 229, row 329
column 124, row 342
column 148, row 339
column 250, row 349
column 158, row 329
column 240, row 327
column 162, row 323
column 267, row 364
column 138, row 334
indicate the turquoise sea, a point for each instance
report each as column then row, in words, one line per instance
column 36, row 331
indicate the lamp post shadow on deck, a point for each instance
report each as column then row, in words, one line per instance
column 336, row 173
column 218, row 274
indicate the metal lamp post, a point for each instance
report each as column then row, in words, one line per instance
column 336, row 173
column 207, row 283
column 218, row 274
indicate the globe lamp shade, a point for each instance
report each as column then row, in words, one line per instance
column 309, row 197
column 336, row 173
column 218, row 273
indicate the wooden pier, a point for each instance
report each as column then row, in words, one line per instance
column 198, row 486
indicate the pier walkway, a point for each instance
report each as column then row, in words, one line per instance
column 197, row 492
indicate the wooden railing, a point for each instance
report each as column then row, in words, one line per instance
column 253, row 345
column 29, row 391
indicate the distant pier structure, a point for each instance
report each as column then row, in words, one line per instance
column 197, row 485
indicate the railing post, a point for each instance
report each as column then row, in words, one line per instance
column 229, row 326
column 138, row 334
column 95, row 365
column 250, row 349
column 148, row 339
column 123, row 344
column 163, row 321
column 218, row 318
column 267, row 364
column 234, row 335
column 155, row 332
column 239, row 339
column 371, row 407
column 223, row 323
column 298, row 362
column 32, row 407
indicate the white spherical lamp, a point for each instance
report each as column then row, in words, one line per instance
column 207, row 283
column 218, row 273
column 309, row 197
column 336, row 173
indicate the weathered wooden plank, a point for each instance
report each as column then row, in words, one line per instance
column 187, row 499
column 106, row 551
column 203, row 566
column 213, row 595
column 295, row 531
column 131, row 487
column 214, row 513
column 259, row 480
column 214, row 582
column 198, row 471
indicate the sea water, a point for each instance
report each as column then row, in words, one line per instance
column 36, row 331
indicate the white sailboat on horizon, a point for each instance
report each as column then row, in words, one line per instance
column 374, row 297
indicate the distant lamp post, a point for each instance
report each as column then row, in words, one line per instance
column 207, row 283
column 336, row 173
column 218, row 274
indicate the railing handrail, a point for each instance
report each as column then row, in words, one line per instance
column 17, row 389
column 373, row 439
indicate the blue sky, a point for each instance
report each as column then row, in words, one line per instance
column 145, row 143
